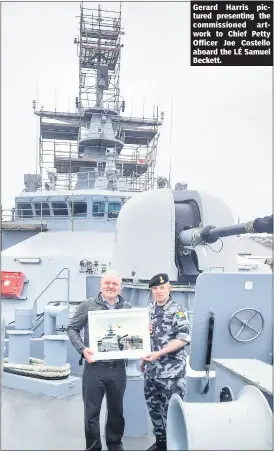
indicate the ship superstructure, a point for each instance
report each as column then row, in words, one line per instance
column 109, row 341
column 91, row 160
column 98, row 146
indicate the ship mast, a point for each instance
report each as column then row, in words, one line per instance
column 99, row 87
column 99, row 52
column 97, row 146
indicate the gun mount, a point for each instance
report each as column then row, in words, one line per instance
column 211, row 234
column 167, row 230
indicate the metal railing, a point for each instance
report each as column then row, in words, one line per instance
column 136, row 178
column 128, row 155
column 35, row 303
column 50, row 214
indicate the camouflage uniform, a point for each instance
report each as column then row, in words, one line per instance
column 165, row 376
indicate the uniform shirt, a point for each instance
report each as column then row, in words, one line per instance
column 168, row 323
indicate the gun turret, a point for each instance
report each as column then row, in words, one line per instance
column 170, row 231
column 210, row 234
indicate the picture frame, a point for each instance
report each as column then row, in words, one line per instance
column 119, row 333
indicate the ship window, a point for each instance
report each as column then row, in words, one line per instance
column 60, row 208
column 78, row 208
column 98, row 209
column 45, row 209
column 113, row 209
column 24, row 210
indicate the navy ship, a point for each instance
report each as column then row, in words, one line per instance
column 58, row 238
column 96, row 203
column 109, row 342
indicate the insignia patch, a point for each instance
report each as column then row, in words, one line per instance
column 161, row 279
column 180, row 315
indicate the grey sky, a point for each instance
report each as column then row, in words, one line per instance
column 222, row 116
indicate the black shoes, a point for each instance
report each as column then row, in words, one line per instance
column 159, row 445
column 115, row 447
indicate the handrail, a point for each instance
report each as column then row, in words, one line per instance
column 10, row 215
column 51, row 282
column 136, row 155
column 63, row 114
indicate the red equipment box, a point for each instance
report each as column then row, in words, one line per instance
column 12, row 284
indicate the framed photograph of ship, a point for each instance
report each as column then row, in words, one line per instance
column 119, row 334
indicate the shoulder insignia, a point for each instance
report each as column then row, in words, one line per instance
column 179, row 315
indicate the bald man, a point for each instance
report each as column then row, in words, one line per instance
column 102, row 377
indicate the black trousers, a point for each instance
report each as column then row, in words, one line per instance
column 101, row 378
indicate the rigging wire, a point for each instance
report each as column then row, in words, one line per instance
column 170, row 140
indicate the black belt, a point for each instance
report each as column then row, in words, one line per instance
column 106, row 363
column 110, row 363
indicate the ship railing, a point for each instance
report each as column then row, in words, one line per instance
column 127, row 155
column 133, row 181
column 58, row 114
column 30, row 211
column 87, row 179
column 145, row 124
column 28, row 216
column 154, row 121
column 88, row 99
column 8, row 215
column 57, row 277
column 54, row 152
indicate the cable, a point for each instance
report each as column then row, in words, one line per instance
column 217, row 252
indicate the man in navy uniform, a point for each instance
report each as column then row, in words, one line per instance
column 164, row 368
column 102, row 377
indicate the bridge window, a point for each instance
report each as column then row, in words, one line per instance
column 45, row 209
column 60, row 208
column 78, row 208
column 98, row 209
column 24, row 210
column 113, row 209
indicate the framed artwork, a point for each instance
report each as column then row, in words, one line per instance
column 119, row 333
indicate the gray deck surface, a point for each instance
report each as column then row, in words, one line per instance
column 33, row 422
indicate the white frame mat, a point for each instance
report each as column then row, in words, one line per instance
column 131, row 322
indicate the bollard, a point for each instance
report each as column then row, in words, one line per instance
column 55, row 350
column 49, row 324
column 52, row 312
column 23, row 319
column 19, row 346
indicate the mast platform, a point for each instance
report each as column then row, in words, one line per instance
column 97, row 139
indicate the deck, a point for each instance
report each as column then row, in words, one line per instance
column 33, row 422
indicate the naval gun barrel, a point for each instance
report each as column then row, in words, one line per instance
column 210, row 234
